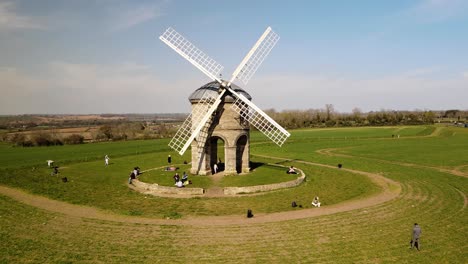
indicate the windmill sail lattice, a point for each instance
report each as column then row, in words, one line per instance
column 181, row 141
column 255, row 57
column 261, row 121
column 191, row 53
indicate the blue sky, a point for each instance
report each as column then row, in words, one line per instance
column 103, row 56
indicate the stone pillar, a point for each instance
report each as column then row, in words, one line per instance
column 246, row 157
column 200, row 166
column 230, row 160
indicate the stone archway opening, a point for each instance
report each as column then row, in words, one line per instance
column 217, row 154
column 242, row 154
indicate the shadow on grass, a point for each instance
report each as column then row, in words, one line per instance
column 254, row 165
column 285, row 161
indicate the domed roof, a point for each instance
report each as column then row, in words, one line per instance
column 213, row 87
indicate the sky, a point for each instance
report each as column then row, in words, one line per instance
column 103, row 56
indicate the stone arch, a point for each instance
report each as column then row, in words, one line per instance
column 215, row 156
column 242, row 154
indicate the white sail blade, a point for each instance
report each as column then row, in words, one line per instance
column 199, row 119
column 191, row 53
column 248, row 111
column 255, row 57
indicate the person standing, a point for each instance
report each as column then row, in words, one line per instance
column 169, row 159
column 415, row 237
column 106, row 159
column 215, row 168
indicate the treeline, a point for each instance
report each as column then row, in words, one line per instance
column 115, row 130
column 43, row 139
column 31, row 122
column 109, row 132
column 328, row 117
column 134, row 130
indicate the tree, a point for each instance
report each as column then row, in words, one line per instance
column 74, row 139
column 106, row 131
column 329, row 109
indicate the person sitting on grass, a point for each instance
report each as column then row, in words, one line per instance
column 131, row 178
column 316, row 202
column 176, row 177
column 184, row 177
column 136, row 171
column 291, row 170
column 55, row 171
column 179, row 184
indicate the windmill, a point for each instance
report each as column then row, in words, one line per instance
column 197, row 129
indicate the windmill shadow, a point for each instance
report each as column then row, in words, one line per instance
column 254, row 165
column 285, row 161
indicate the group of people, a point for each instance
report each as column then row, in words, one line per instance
column 134, row 174
column 50, row 164
column 55, row 171
column 181, row 181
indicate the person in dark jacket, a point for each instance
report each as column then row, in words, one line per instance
column 176, row 178
column 415, row 237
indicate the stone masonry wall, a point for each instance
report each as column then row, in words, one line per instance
column 267, row 187
column 154, row 188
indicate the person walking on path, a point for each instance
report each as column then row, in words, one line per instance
column 106, row 159
column 415, row 237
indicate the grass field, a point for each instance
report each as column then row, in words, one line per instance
column 430, row 164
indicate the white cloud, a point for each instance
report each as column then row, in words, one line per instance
column 10, row 20
column 127, row 18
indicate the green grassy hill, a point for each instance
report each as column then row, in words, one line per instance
column 430, row 163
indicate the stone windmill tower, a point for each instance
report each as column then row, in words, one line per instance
column 226, row 125
column 221, row 109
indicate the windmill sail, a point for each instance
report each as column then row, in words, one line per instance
column 259, row 119
column 247, row 110
column 255, row 56
column 191, row 53
column 198, row 120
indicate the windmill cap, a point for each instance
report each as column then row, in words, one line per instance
column 212, row 87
